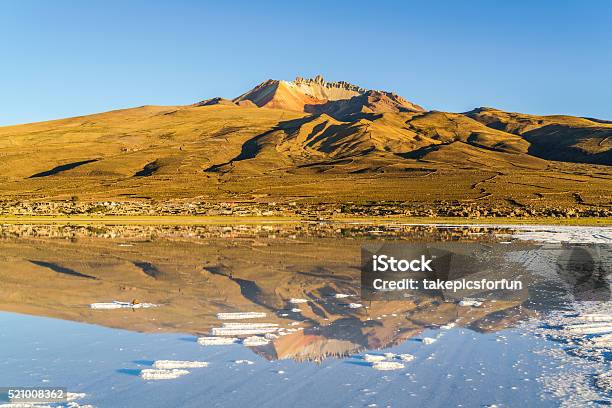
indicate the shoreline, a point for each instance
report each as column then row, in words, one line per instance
column 204, row 220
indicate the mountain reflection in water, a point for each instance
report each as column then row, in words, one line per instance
column 195, row 272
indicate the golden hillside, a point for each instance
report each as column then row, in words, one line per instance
column 364, row 148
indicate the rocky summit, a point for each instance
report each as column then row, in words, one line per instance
column 315, row 95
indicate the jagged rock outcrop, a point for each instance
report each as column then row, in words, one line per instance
column 320, row 81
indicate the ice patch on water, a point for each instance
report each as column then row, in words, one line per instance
column 428, row 340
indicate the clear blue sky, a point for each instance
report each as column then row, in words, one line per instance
column 67, row 58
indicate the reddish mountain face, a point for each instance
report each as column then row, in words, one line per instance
column 367, row 102
column 339, row 100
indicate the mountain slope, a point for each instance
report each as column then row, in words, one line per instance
column 563, row 138
column 356, row 145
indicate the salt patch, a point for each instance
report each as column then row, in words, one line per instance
column 121, row 305
column 373, row 357
column 70, row 397
column 591, row 328
column 155, row 374
column 172, row 364
column 559, row 234
column 254, row 341
column 595, row 317
column 603, row 341
column 73, row 396
column 470, row 302
column 296, row 301
column 604, row 382
column 590, row 372
column 106, row 306
column 240, row 315
column 387, row 365
column 216, row 341
column 240, row 325
column 237, row 331
column 406, row 357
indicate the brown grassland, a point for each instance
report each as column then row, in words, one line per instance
column 223, row 153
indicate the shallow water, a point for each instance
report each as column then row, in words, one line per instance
column 462, row 366
column 495, row 355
